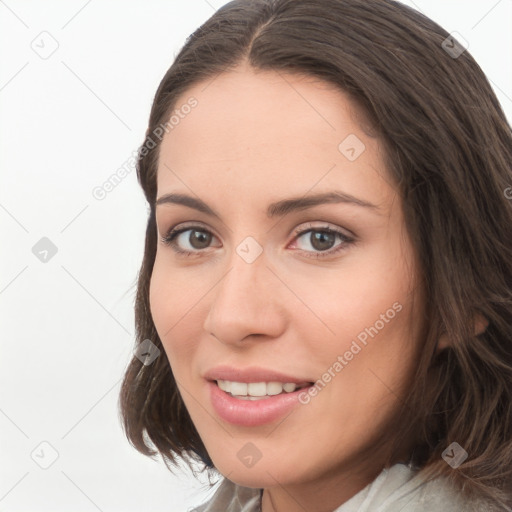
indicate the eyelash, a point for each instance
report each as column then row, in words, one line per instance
column 169, row 240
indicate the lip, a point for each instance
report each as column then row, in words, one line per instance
column 251, row 374
column 251, row 413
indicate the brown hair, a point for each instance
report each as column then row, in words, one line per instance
column 449, row 149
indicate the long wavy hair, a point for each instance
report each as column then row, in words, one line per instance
column 448, row 148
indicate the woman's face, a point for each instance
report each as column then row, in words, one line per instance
column 300, row 272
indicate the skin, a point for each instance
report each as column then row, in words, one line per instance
column 255, row 138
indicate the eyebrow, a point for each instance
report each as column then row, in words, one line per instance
column 277, row 209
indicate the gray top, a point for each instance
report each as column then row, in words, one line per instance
column 396, row 489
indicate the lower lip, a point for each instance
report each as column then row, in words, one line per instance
column 251, row 413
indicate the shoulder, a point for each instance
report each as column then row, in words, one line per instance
column 402, row 488
column 396, row 488
column 230, row 497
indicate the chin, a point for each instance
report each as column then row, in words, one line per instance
column 252, row 477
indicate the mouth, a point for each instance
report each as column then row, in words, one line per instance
column 259, row 390
column 253, row 404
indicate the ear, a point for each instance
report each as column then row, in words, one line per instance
column 480, row 324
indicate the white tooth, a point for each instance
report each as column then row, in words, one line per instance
column 225, row 385
column 289, row 387
column 238, row 388
column 274, row 388
column 252, row 397
column 257, row 389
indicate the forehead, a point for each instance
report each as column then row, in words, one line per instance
column 280, row 131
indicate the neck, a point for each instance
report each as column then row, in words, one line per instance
column 329, row 490
column 333, row 491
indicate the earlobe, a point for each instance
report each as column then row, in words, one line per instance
column 442, row 343
column 480, row 325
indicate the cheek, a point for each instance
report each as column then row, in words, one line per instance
column 170, row 301
column 367, row 291
column 361, row 339
column 171, row 295
column 161, row 300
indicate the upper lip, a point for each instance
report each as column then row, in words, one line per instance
column 251, row 374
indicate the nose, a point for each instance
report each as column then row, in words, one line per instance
column 247, row 302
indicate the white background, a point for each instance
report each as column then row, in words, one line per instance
column 68, row 122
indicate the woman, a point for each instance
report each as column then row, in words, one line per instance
column 328, row 264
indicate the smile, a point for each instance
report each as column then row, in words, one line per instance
column 258, row 390
column 274, row 401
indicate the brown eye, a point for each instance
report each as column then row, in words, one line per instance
column 322, row 240
column 199, row 239
column 189, row 240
